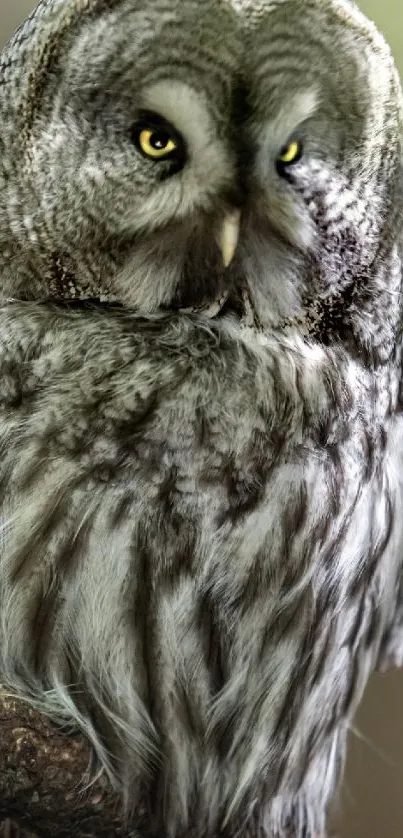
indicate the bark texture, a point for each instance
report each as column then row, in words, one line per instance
column 44, row 775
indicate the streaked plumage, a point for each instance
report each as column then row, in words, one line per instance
column 202, row 515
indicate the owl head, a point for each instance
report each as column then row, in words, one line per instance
column 168, row 154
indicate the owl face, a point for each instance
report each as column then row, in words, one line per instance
column 176, row 153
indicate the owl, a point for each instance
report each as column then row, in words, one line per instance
column 201, row 395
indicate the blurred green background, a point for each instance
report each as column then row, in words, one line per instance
column 388, row 15
column 372, row 797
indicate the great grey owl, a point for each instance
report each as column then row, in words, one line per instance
column 201, row 406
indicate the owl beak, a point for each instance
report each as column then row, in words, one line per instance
column 228, row 235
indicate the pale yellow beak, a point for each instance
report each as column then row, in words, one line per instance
column 227, row 236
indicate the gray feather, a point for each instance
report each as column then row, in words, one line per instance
column 201, row 517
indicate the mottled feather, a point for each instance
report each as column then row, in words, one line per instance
column 201, row 518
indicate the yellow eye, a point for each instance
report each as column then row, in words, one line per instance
column 290, row 153
column 156, row 143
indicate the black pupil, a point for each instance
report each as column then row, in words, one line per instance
column 159, row 140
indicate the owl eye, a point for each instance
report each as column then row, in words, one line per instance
column 289, row 154
column 156, row 144
column 157, row 140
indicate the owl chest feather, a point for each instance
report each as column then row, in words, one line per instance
column 232, row 504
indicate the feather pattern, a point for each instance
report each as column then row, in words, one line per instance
column 201, row 518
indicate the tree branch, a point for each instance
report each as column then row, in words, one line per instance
column 42, row 781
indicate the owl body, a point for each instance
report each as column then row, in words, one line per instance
column 200, row 400
column 240, row 644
